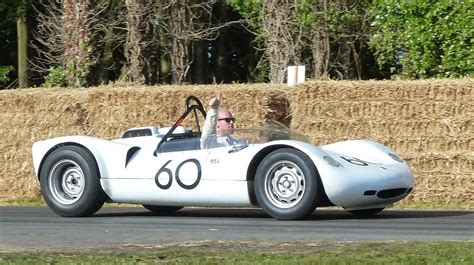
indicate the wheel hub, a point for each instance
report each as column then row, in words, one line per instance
column 72, row 184
column 284, row 184
column 66, row 181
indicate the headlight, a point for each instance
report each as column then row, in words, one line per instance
column 331, row 161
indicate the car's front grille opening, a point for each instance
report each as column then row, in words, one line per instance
column 386, row 194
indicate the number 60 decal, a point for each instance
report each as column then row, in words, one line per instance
column 168, row 171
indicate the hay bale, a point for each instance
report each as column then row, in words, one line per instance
column 29, row 115
column 428, row 122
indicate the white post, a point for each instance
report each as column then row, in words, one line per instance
column 291, row 78
column 296, row 75
column 301, row 74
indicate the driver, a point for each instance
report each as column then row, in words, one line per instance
column 218, row 127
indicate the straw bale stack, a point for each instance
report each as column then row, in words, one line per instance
column 29, row 115
column 428, row 122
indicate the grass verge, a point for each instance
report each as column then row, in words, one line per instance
column 397, row 252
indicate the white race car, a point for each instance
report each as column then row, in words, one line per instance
column 166, row 169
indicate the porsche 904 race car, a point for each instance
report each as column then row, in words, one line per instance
column 271, row 167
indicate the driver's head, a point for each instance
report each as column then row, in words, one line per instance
column 225, row 122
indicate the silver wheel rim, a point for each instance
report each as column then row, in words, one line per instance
column 66, row 181
column 284, row 184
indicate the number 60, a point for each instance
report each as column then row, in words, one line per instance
column 168, row 171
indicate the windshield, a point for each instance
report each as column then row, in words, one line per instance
column 268, row 131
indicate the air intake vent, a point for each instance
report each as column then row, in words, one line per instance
column 386, row 194
column 370, row 192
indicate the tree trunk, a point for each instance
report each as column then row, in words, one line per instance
column 77, row 37
column 22, row 33
column 283, row 36
column 321, row 51
column 178, row 23
column 321, row 48
column 219, row 60
column 141, row 45
column 201, row 58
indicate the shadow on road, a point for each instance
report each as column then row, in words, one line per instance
column 319, row 214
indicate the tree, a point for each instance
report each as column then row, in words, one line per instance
column 63, row 40
column 336, row 31
column 141, row 44
column 13, row 47
column 278, row 35
column 327, row 35
column 48, row 40
column 183, row 23
column 252, row 13
column 109, row 40
column 22, row 33
column 283, row 34
column 422, row 39
column 232, row 56
column 78, row 19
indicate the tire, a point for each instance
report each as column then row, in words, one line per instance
column 70, row 182
column 162, row 209
column 287, row 184
column 366, row 212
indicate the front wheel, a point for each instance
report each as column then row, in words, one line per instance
column 70, row 182
column 287, row 184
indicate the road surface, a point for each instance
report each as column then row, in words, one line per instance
column 38, row 228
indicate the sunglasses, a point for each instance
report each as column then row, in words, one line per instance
column 228, row 120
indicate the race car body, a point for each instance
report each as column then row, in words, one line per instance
column 166, row 169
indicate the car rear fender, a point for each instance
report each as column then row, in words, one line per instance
column 111, row 157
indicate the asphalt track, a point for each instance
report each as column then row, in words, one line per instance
column 40, row 229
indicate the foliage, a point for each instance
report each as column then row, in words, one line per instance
column 343, row 24
column 56, row 77
column 4, row 72
column 78, row 73
column 252, row 12
column 407, row 39
column 9, row 11
column 423, row 39
column 249, row 9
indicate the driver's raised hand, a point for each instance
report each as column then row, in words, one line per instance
column 214, row 103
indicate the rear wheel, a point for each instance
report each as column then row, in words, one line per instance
column 162, row 209
column 70, row 182
column 366, row 212
column 287, row 184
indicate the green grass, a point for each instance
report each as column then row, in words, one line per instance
column 432, row 252
column 32, row 201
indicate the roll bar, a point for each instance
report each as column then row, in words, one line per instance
column 197, row 106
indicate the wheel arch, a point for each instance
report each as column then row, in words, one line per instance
column 111, row 157
column 257, row 159
column 59, row 145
